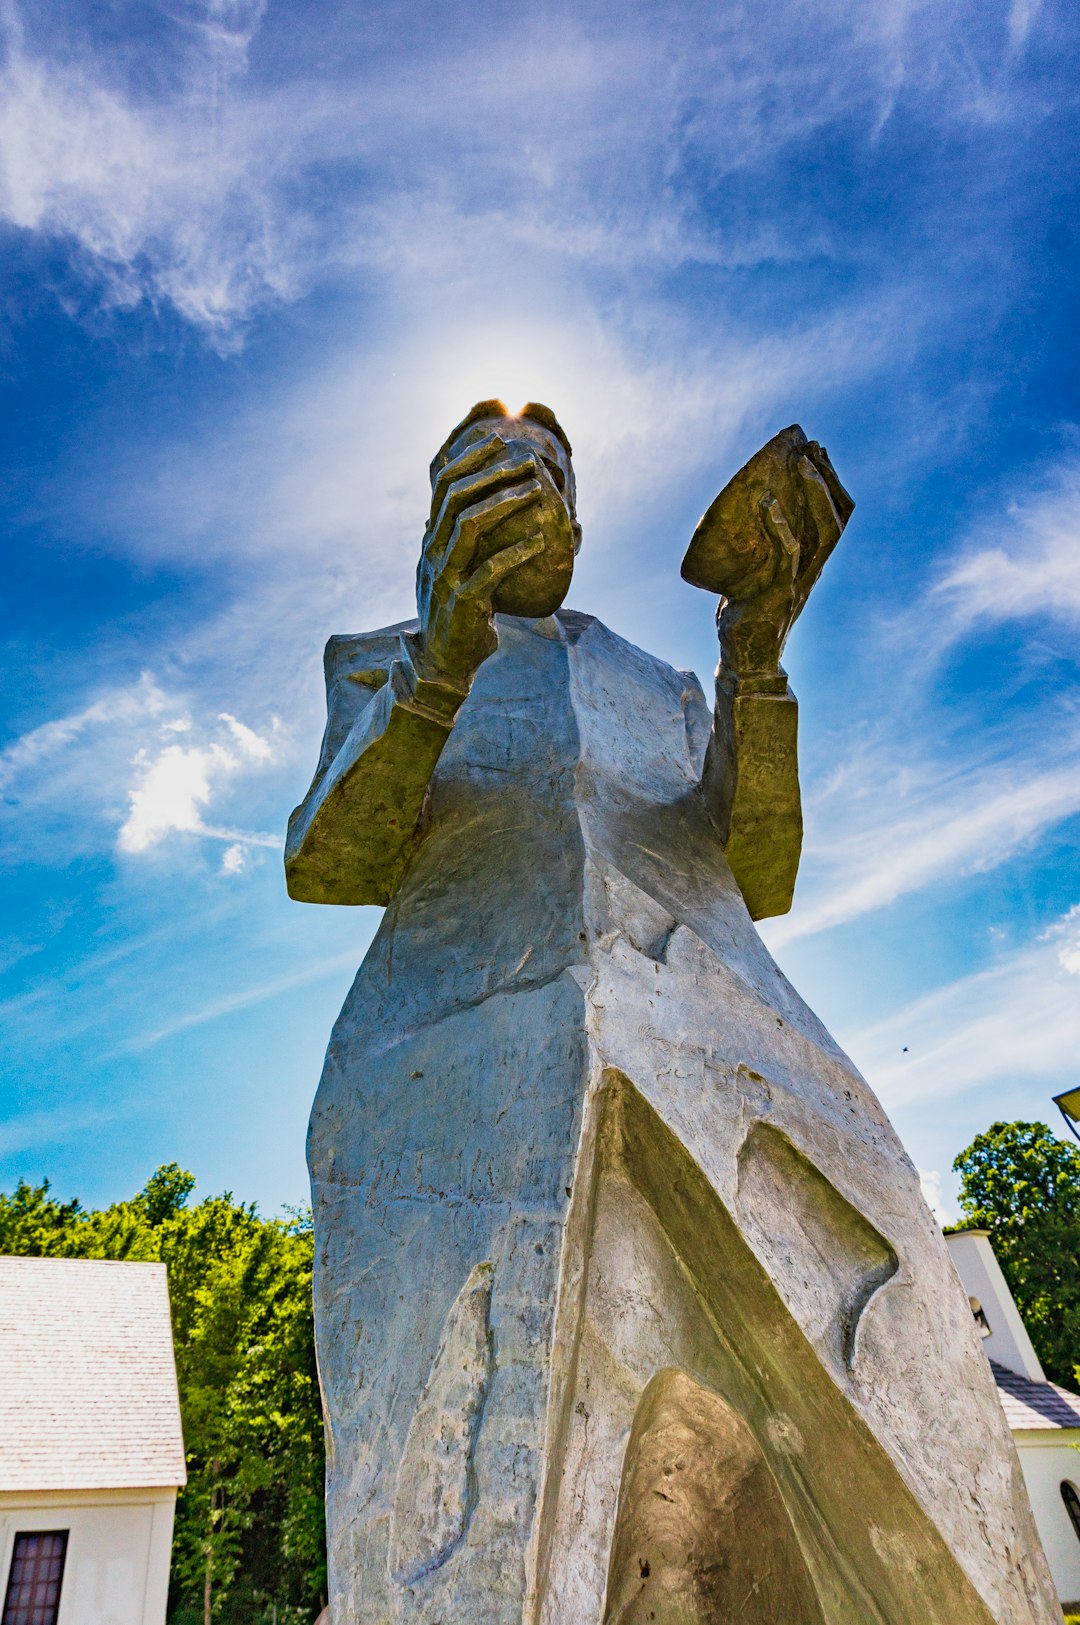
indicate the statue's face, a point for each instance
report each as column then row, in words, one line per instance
column 526, row 432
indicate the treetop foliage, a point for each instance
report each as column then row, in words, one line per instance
column 1022, row 1184
column 249, row 1542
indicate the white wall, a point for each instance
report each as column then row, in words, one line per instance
column 119, row 1546
column 1008, row 1343
column 1046, row 1462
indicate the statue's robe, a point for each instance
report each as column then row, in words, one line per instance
column 628, row 1304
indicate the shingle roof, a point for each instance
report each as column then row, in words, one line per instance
column 1029, row 1405
column 87, row 1380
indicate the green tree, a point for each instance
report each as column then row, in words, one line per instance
column 1022, row 1184
column 249, row 1542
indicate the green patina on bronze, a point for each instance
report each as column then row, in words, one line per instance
column 501, row 537
column 761, row 547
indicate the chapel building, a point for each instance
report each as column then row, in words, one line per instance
column 1044, row 1419
column 91, row 1449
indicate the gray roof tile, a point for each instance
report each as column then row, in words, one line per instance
column 1029, row 1405
column 88, row 1388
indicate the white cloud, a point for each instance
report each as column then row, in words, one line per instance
column 117, row 708
column 1024, row 562
column 1022, row 16
column 164, row 199
column 249, row 745
column 913, row 808
column 1068, row 953
column 936, row 1201
column 1017, row 1020
column 175, row 784
column 894, row 831
column 66, row 780
column 234, row 859
column 201, row 197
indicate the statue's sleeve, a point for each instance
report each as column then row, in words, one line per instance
column 751, row 783
column 351, row 837
column 761, row 546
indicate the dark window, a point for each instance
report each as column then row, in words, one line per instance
column 37, row 1568
column 1072, row 1506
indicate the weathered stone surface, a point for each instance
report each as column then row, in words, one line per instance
column 589, row 1177
column 435, row 1493
column 698, row 1507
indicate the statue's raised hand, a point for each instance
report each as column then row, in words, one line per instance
column 762, row 545
column 474, row 496
column 501, row 536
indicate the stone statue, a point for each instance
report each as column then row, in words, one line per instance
column 629, row 1307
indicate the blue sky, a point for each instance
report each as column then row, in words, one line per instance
column 256, row 256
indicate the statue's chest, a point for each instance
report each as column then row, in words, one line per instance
column 516, row 732
column 553, row 720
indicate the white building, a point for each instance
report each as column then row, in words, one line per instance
column 91, row 1453
column 1045, row 1419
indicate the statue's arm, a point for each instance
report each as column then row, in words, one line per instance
column 351, row 838
column 762, row 546
column 392, row 699
column 751, row 783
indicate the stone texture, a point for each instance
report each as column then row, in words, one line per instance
column 698, row 1507
column 578, row 1144
column 435, row 1490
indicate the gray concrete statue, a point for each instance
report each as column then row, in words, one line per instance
column 629, row 1307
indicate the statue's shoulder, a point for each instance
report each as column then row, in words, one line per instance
column 593, row 637
column 604, row 658
column 363, row 657
column 574, row 624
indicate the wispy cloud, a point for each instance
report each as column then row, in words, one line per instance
column 176, row 783
column 29, row 1131
column 122, row 707
column 1068, row 953
column 892, row 831
column 163, row 198
column 1023, row 15
column 231, row 188
column 241, row 1000
column 919, row 799
column 135, row 746
column 1025, row 561
column 1019, row 1019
